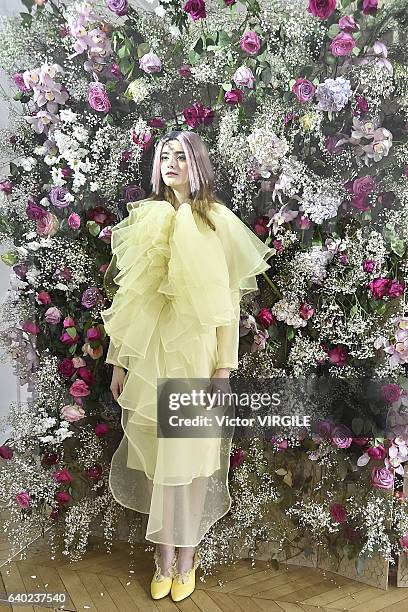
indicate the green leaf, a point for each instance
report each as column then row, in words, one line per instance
column 226, row 86
column 291, row 333
column 398, row 247
column 123, row 52
column 71, row 331
column 199, row 46
column 266, row 76
column 356, row 51
column 142, row 49
column 333, row 30
column 354, row 311
column 93, row 228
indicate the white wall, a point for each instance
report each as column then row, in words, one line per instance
column 8, row 382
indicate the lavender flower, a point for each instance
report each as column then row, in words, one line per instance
column 120, row 7
column 333, row 94
column 58, row 197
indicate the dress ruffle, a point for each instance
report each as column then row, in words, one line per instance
column 176, row 280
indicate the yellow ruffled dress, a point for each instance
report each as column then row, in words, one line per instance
column 175, row 314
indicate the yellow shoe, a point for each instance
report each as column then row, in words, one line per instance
column 160, row 585
column 184, row 584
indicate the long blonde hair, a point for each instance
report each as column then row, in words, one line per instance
column 200, row 172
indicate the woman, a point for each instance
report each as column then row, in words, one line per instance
column 181, row 262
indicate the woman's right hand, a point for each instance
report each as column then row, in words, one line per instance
column 118, row 376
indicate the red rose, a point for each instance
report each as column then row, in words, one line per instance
column 338, row 513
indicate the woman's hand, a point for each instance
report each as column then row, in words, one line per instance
column 118, row 377
column 220, row 382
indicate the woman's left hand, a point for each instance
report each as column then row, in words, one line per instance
column 219, row 382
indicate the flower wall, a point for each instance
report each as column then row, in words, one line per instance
column 303, row 106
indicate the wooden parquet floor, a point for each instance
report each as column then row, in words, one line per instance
column 103, row 582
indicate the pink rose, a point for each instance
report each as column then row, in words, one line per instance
column 396, row 289
column 234, row 96
column 67, row 339
column 86, row 375
column 338, row 355
column 48, row 225
column 79, row 388
column 379, row 287
column 347, row 23
column 43, row 297
column 243, row 76
column 304, row 90
column 370, row 7
column 265, row 317
column 381, row 478
column 391, row 392
column 74, row 221
column 322, row 8
column 150, row 63
column 338, row 513
column 6, row 187
column 363, row 185
column 101, row 429
column 250, row 42
column 98, row 98
column 68, row 322
column 196, row 9
column 78, row 362
column 62, row 476
column 342, row 44
column 303, row 222
column 72, row 413
column 31, row 328
column 185, row 71
column 52, row 315
column 23, row 499
column 63, row 497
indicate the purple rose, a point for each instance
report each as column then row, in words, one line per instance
column 379, row 287
column 250, row 42
column 150, row 63
column 324, row 429
column 6, row 187
column 234, row 96
column 377, row 452
column 91, row 297
column 341, row 436
column 331, row 144
column 98, row 98
column 370, row 7
column 34, row 211
column 322, row 8
column 19, row 81
column 396, row 289
column 369, row 265
column 52, row 315
column 132, row 193
column 196, row 9
column 120, row 7
column 381, row 478
column 362, row 104
column 363, row 185
column 342, row 44
column 338, row 356
column 6, row 452
column 304, row 90
column 243, row 76
column 347, row 23
column 58, row 197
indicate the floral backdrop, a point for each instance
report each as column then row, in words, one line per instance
column 303, row 105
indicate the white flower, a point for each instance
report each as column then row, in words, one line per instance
column 174, row 31
column 57, row 178
column 44, row 202
column 80, row 133
column 61, row 286
column 40, row 150
column 67, row 115
column 160, row 11
column 94, row 186
column 266, row 147
column 27, row 163
column 51, row 160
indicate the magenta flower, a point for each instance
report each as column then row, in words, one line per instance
column 74, row 221
column 66, row 367
column 377, row 452
column 23, row 499
column 31, row 328
column 62, row 476
column 404, row 541
column 98, row 98
column 19, row 81
column 338, row 513
column 370, row 7
column 250, row 42
column 338, row 355
column 341, row 436
column 101, row 429
column 322, row 8
column 379, row 287
column 369, row 265
column 91, row 297
column 304, row 90
column 306, row 311
column 347, row 23
column 198, row 114
column 185, row 71
column 43, row 297
column 396, row 289
column 237, row 457
column 265, row 317
column 391, row 392
column 6, row 452
column 196, row 9
column 234, row 96
column 342, row 44
column 63, row 497
column 6, row 187
column 94, row 472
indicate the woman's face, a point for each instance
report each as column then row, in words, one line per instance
column 173, row 165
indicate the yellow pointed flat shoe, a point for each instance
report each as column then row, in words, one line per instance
column 184, row 584
column 160, row 585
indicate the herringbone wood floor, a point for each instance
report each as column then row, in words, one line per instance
column 103, row 582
